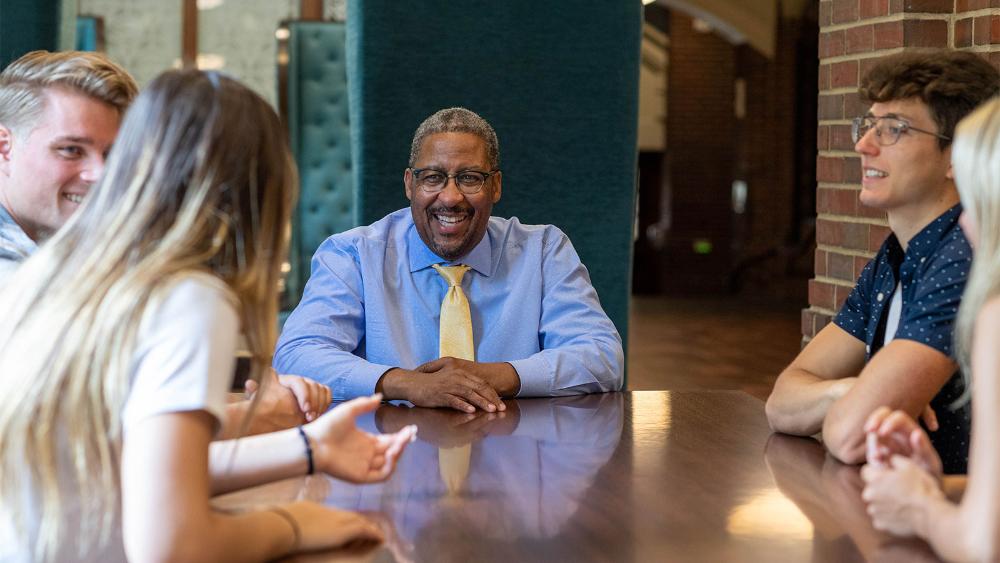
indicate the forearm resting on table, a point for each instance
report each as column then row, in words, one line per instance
column 800, row 401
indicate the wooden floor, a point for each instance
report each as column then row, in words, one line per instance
column 710, row 343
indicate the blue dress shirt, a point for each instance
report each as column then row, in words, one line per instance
column 373, row 302
column 932, row 274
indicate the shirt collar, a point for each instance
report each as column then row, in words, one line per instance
column 16, row 232
column 925, row 242
column 479, row 259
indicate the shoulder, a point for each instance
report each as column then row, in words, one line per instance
column 195, row 301
column 513, row 232
column 953, row 250
column 385, row 231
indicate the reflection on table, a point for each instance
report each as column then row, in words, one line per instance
column 638, row 476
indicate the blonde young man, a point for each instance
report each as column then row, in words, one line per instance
column 59, row 115
column 891, row 343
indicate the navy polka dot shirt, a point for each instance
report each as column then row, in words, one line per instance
column 932, row 273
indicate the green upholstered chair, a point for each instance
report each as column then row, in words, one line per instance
column 319, row 131
column 557, row 80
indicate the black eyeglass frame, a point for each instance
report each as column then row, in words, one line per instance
column 857, row 135
column 486, row 176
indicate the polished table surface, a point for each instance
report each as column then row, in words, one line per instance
column 634, row 476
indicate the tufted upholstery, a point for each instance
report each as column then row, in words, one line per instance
column 559, row 83
column 319, row 131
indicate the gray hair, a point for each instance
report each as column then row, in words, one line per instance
column 457, row 120
column 23, row 84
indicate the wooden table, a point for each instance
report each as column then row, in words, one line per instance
column 636, row 476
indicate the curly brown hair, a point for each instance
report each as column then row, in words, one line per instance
column 951, row 83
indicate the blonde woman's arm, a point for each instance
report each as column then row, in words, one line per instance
column 906, row 499
column 339, row 448
column 167, row 516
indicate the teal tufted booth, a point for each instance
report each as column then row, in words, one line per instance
column 319, row 131
column 558, row 81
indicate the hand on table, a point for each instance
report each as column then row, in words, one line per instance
column 323, row 528
column 451, row 382
column 344, row 451
column 894, row 493
column 895, row 433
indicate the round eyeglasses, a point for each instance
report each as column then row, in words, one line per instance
column 888, row 129
column 469, row 182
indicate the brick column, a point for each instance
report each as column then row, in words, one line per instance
column 853, row 35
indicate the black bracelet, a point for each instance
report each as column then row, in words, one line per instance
column 309, row 451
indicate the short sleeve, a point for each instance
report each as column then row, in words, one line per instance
column 186, row 353
column 853, row 316
column 929, row 317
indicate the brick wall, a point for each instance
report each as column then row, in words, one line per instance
column 853, row 35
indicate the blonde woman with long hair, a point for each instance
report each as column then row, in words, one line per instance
column 904, row 484
column 117, row 348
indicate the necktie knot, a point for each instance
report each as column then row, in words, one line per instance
column 453, row 274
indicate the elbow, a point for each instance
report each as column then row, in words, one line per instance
column 844, row 441
column 774, row 416
column 781, row 420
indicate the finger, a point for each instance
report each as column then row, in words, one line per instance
column 897, row 421
column 361, row 405
column 459, row 403
column 300, row 390
column 925, row 453
column 872, row 449
column 327, row 399
column 431, row 366
column 900, row 462
column 479, row 397
column 875, row 418
column 930, row 418
column 362, row 529
column 486, row 392
column 250, row 387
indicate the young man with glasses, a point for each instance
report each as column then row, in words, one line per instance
column 369, row 317
column 891, row 343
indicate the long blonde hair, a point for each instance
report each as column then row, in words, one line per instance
column 976, row 164
column 200, row 179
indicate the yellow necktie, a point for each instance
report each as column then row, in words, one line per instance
column 456, row 320
column 456, row 341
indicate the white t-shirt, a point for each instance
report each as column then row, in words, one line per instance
column 184, row 361
column 895, row 313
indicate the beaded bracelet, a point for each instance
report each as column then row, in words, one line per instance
column 296, row 532
column 309, row 451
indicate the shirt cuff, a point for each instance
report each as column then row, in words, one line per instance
column 362, row 379
column 536, row 375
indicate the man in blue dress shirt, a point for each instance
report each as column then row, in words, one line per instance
column 891, row 343
column 368, row 319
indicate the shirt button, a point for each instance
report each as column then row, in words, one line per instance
column 880, row 297
column 868, row 349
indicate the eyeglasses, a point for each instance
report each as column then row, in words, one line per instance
column 469, row 182
column 887, row 129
